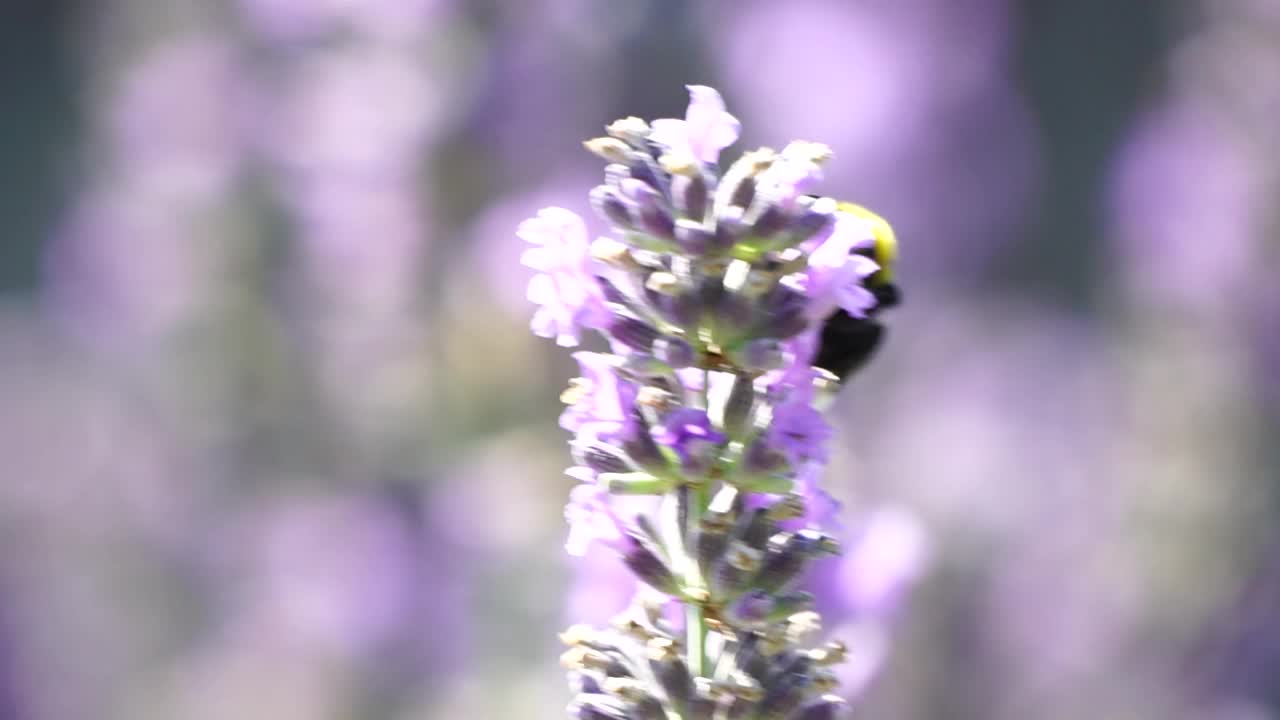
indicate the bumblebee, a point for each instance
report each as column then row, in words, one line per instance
column 847, row 342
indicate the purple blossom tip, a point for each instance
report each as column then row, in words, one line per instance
column 707, row 128
column 569, row 297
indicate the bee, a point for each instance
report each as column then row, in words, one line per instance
column 848, row 342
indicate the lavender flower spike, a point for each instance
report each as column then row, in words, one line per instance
column 729, row 336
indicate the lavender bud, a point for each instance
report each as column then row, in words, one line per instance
column 787, row 663
column 760, row 458
column 789, row 554
column 709, row 545
column 612, row 150
column 782, row 696
column 784, row 325
column 615, row 173
column 713, row 532
column 703, row 702
column 582, row 658
column 601, row 457
column 638, row 191
column 644, row 170
column 769, row 222
column 647, row 211
column 731, row 313
column 672, row 674
column 631, row 331
column 742, row 192
column 736, row 408
column 755, row 528
column 815, row 220
column 642, row 705
column 642, row 449
column 740, row 563
column 648, row 566
column 630, row 129
column 750, row 610
column 785, row 313
column 763, row 355
column 749, row 658
column 610, row 206
column 803, row 627
column 789, row 604
column 829, row 707
column 663, row 283
column 730, row 229
column 678, row 308
column 739, row 708
column 581, row 683
column 619, row 299
column 833, row 653
column 598, row 707
column 673, row 351
column 692, row 237
column 648, row 708
column 689, row 195
column 789, row 507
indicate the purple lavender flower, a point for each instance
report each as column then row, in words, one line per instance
column 688, row 432
column 717, row 303
column 835, row 274
column 602, row 402
column 591, row 520
column 567, row 292
column 707, row 128
column 798, row 428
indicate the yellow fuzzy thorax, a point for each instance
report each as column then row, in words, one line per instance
column 886, row 243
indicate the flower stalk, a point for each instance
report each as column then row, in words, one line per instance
column 733, row 304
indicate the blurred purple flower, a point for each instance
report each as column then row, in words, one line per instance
column 1183, row 174
column 604, row 403
column 591, row 520
column 356, row 115
column 308, row 20
column 886, row 556
column 707, row 128
column 935, row 114
column 134, row 260
column 334, row 573
column 602, row 586
column 567, row 293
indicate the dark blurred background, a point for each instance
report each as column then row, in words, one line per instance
column 277, row 444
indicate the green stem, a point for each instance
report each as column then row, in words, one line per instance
column 695, row 621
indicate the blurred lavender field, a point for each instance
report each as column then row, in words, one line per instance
column 278, row 445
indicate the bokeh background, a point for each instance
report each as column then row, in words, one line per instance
column 277, row 445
